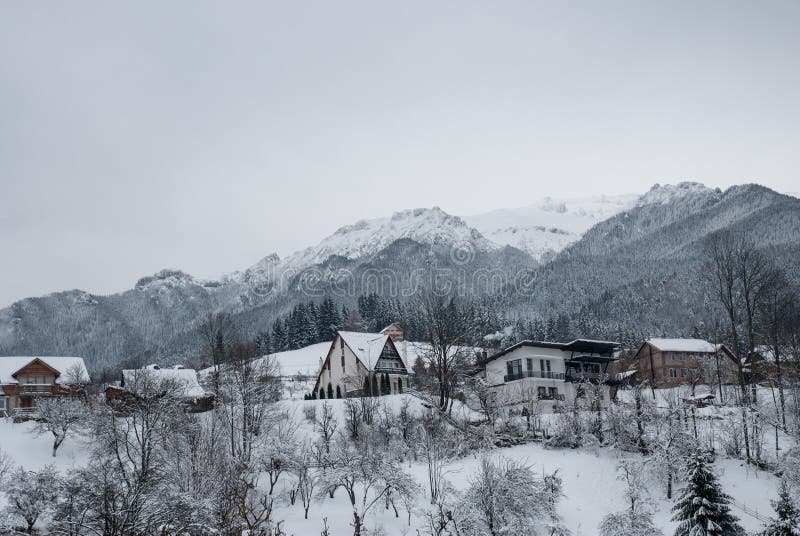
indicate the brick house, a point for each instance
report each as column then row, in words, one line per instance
column 673, row 362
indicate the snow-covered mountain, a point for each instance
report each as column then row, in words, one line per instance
column 549, row 225
column 428, row 226
column 613, row 255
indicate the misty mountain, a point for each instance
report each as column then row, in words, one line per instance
column 645, row 266
column 640, row 268
column 161, row 313
column 548, row 226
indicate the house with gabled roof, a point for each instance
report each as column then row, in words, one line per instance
column 180, row 382
column 354, row 359
column 24, row 379
column 663, row 362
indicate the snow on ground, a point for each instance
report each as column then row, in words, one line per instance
column 591, row 488
column 590, row 485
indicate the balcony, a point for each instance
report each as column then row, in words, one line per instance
column 577, row 376
column 546, row 375
column 32, row 389
column 391, row 370
column 550, row 397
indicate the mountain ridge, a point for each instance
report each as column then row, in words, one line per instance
column 611, row 271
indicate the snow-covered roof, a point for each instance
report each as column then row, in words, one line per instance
column 391, row 327
column 684, row 345
column 10, row 365
column 366, row 346
column 185, row 378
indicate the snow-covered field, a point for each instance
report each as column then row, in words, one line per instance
column 591, row 488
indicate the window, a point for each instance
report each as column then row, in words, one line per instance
column 343, row 368
column 671, row 356
column 682, row 356
column 3, row 403
column 529, row 365
column 514, row 367
column 541, row 391
column 552, row 392
column 684, row 372
column 672, row 373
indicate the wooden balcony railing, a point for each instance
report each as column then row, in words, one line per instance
column 35, row 389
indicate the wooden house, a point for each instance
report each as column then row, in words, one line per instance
column 25, row 379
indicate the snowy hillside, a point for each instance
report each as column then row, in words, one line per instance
column 549, row 225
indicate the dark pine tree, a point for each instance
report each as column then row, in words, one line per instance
column 375, row 390
column 386, row 385
column 702, row 509
column 787, row 522
column 367, row 386
column 278, row 336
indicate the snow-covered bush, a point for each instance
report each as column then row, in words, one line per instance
column 507, row 498
column 31, row 495
column 637, row 519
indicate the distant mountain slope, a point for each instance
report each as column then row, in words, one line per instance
column 639, row 268
column 548, row 226
column 644, row 266
column 162, row 312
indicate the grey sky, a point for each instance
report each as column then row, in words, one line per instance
column 202, row 135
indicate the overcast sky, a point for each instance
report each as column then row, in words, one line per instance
column 205, row 135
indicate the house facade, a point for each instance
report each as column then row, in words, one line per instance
column 24, row 380
column 551, row 374
column 355, row 357
column 674, row 362
column 182, row 383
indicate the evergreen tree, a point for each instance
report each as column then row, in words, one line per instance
column 375, row 391
column 219, row 350
column 788, row 521
column 263, row 343
column 702, row 509
column 278, row 336
column 385, row 384
column 367, row 386
column 328, row 320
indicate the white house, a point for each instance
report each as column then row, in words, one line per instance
column 352, row 357
column 551, row 373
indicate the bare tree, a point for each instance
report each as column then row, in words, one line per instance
column 445, row 324
column 325, row 424
column 367, row 475
column 217, row 332
column 60, row 417
column 776, row 318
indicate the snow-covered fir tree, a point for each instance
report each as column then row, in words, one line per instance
column 702, row 508
column 787, row 522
